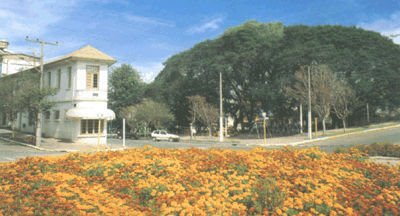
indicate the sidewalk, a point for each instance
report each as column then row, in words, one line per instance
column 56, row 145
column 274, row 141
column 52, row 144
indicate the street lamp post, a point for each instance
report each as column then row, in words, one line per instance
column 123, row 133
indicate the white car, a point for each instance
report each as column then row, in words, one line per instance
column 158, row 135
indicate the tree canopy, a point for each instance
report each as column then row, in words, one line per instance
column 125, row 87
column 257, row 60
column 147, row 114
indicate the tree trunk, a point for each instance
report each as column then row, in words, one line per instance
column 38, row 131
column 12, row 130
column 210, row 131
column 344, row 125
column 323, row 126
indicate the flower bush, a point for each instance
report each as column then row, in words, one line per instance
column 375, row 149
column 151, row 181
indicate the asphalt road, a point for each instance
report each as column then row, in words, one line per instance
column 12, row 152
column 388, row 135
column 385, row 136
column 180, row 144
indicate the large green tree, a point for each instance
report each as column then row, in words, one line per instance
column 257, row 60
column 245, row 73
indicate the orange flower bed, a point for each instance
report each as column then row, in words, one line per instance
column 151, row 181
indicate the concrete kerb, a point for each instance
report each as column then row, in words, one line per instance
column 35, row 147
column 51, row 150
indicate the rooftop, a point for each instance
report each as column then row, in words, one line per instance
column 86, row 52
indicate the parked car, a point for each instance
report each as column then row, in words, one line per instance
column 158, row 135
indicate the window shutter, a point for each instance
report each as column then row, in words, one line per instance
column 89, row 80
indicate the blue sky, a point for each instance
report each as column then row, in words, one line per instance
column 145, row 33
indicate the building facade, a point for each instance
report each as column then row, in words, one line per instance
column 79, row 112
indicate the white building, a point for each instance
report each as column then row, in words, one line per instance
column 14, row 62
column 80, row 111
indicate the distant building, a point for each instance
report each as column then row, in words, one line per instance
column 11, row 62
column 80, row 104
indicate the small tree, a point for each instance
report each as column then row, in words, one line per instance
column 322, row 88
column 323, row 82
column 147, row 114
column 343, row 97
column 298, row 90
column 21, row 93
column 204, row 111
column 8, row 100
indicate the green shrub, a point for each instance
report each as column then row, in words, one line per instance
column 268, row 195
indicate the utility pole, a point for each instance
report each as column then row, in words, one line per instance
column 301, row 118
column 221, row 116
column 226, row 126
column 309, row 104
column 39, row 114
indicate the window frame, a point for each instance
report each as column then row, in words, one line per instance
column 49, row 79
column 92, row 72
column 58, row 79
column 91, row 126
column 47, row 115
column 56, row 114
column 31, row 119
column 4, row 118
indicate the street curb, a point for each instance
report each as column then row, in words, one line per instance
column 342, row 135
column 54, row 150
column 26, row 145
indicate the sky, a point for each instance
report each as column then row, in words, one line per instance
column 145, row 33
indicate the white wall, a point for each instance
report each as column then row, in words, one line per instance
column 15, row 63
column 63, row 127
column 64, row 93
column 76, row 97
